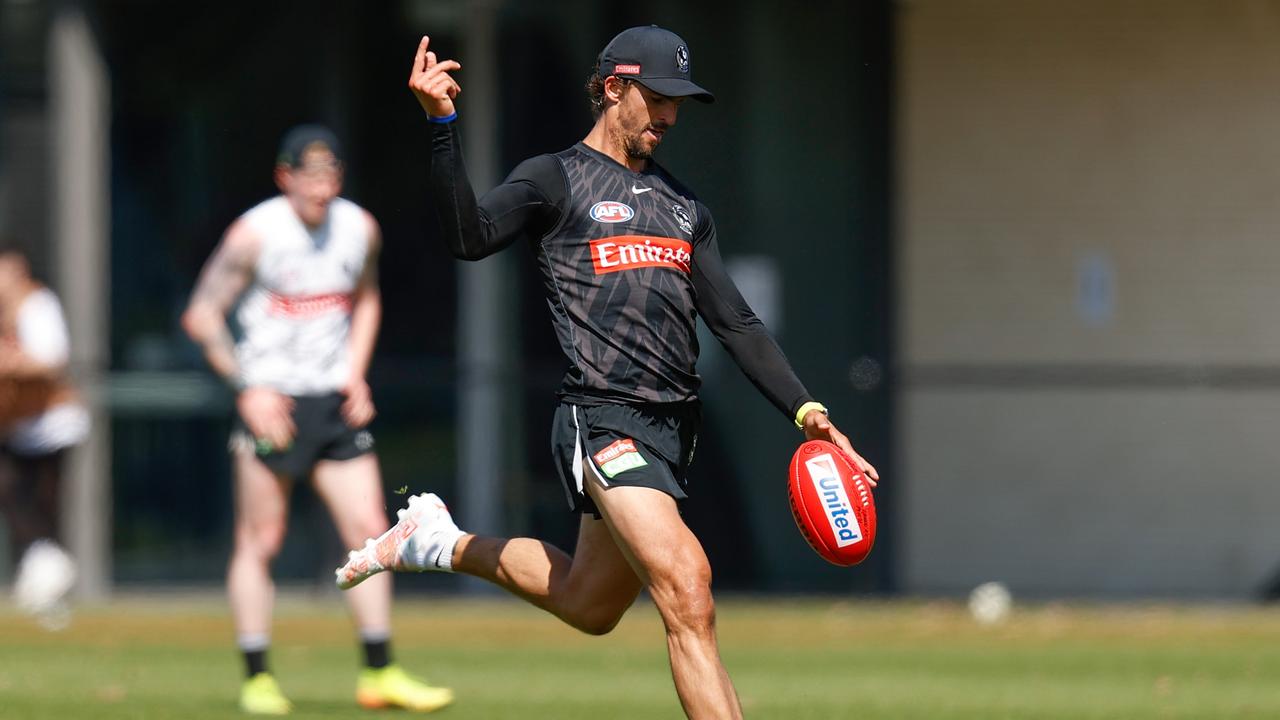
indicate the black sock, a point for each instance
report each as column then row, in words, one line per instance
column 377, row 653
column 255, row 661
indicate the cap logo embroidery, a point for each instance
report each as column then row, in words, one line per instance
column 628, row 69
column 682, row 59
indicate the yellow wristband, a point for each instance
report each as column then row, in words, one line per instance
column 804, row 410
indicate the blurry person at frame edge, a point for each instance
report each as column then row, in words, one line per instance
column 41, row 417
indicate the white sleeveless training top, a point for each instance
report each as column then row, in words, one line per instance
column 296, row 316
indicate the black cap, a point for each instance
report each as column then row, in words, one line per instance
column 655, row 58
column 295, row 144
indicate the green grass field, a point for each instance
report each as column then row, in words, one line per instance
column 171, row 657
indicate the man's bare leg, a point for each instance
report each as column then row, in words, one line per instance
column 352, row 490
column 261, row 516
column 647, row 527
column 590, row 591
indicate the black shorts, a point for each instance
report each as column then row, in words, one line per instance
column 635, row 445
column 322, row 435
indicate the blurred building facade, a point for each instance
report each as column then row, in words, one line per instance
column 1087, row 209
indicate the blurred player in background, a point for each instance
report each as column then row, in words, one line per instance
column 40, row 418
column 630, row 260
column 305, row 262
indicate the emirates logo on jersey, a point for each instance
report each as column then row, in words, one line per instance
column 629, row 252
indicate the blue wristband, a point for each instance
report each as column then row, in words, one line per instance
column 443, row 120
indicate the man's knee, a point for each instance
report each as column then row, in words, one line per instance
column 684, row 600
column 260, row 540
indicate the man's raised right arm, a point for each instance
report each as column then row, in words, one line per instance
column 527, row 204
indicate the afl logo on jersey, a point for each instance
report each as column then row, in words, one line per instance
column 611, row 212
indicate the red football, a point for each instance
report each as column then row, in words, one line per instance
column 832, row 503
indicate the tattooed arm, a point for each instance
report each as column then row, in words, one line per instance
column 267, row 413
column 224, row 277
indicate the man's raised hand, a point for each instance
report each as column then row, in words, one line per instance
column 430, row 82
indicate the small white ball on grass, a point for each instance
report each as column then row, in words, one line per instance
column 990, row 603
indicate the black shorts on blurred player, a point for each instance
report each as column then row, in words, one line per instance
column 322, row 435
column 634, row 445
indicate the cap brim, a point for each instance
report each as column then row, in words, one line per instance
column 676, row 87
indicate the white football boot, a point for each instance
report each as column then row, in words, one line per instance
column 45, row 575
column 423, row 539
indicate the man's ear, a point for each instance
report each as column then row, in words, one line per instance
column 282, row 178
column 614, row 88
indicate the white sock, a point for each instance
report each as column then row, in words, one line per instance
column 253, row 642
column 442, row 543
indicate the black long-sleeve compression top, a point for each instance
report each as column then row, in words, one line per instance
column 629, row 261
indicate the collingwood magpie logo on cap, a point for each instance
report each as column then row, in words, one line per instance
column 682, row 58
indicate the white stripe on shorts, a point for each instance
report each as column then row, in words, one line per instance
column 577, row 455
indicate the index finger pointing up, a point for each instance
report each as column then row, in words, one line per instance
column 420, row 58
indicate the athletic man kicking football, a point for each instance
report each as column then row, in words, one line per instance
column 630, row 260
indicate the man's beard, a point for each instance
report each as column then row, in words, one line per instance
column 635, row 148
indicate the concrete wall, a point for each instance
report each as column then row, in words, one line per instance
column 1088, row 282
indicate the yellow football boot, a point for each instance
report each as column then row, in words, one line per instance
column 391, row 686
column 260, row 695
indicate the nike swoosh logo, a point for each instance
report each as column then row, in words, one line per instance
column 637, row 190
